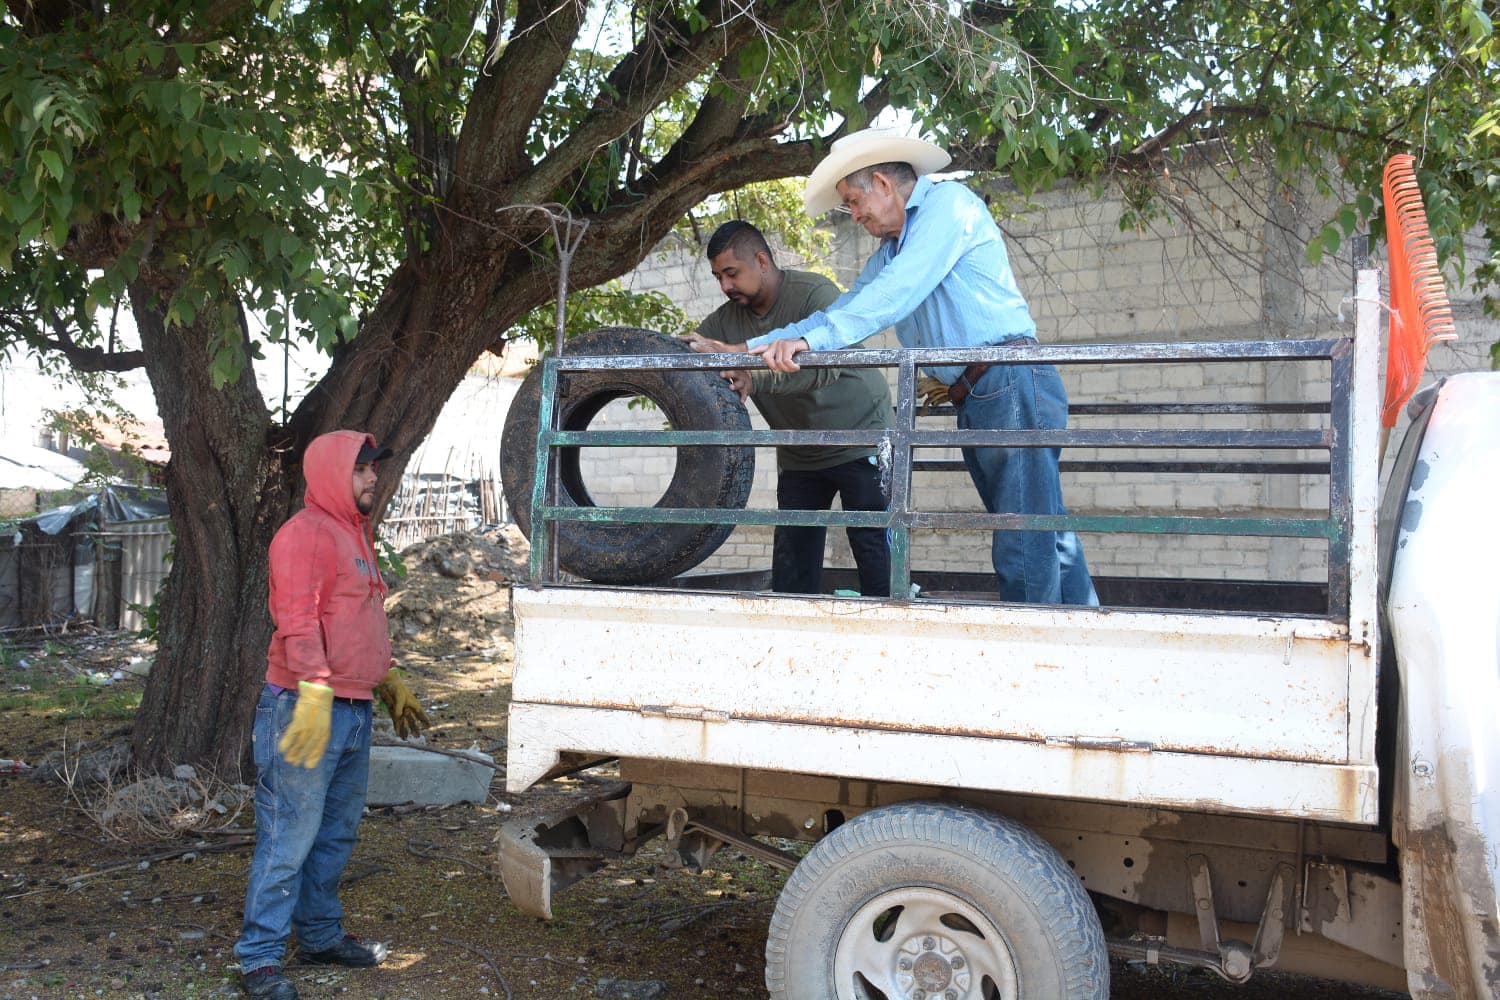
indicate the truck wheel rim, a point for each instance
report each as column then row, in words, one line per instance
column 920, row 943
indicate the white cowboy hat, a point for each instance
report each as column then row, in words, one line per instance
column 861, row 149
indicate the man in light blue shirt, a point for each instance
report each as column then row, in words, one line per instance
column 941, row 276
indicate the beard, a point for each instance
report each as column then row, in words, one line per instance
column 365, row 502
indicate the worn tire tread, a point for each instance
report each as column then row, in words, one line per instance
column 1006, row 847
column 705, row 477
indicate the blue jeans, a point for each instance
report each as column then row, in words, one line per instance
column 797, row 552
column 1034, row 567
column 305, row 825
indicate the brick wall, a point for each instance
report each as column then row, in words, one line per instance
column 1226, row 262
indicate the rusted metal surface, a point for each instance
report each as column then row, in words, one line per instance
column 763, row 853
column 572, row 763
column 1271, row 930
column 1013, row 354
column 1308, row 954
column 1340, row 476
column 1282, row 527
column 1357, row 906
column 1184, row 781
column 543, row 855
column 1203, row 903
column 1135, row 676
column 1260, row 439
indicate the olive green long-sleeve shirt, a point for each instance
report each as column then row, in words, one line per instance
column 833, row 399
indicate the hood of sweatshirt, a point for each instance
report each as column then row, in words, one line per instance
column 328, row 467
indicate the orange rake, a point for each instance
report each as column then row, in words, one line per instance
column 1420, row 314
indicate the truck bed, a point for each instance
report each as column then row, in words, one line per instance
column 1268, row 714
column 1181, row 705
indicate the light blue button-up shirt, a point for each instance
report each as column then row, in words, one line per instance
column 945, row 281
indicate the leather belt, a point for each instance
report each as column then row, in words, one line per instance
column 356, row 702
column 959, row 390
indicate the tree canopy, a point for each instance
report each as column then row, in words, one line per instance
column 288, row 156
column 378, row 176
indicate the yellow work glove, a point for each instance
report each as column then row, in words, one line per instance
column 306, row 738
column 932, row 391
column 402, row 705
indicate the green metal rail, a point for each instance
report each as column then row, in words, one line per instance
column 897, row 447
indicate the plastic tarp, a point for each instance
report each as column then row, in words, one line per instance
column 55, row 557
column 112, row 503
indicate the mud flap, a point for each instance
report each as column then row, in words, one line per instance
column 543, row 855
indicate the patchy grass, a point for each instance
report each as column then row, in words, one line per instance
column 74, row 698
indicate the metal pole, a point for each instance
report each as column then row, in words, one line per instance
column 567, row 234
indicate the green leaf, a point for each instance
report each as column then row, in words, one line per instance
column 225, row 367
column 52, row 162
column 1348, row 219
column 191, row 101
column 1048, row 142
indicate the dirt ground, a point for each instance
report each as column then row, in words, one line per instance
column 149, row 911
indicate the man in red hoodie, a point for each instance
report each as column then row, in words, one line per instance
column 330, row 654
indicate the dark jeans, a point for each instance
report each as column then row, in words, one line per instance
column 797, row 553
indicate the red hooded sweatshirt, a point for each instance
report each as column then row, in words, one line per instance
column 327, row 595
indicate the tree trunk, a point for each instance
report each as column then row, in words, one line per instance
column 228, row 490
column 235, row 477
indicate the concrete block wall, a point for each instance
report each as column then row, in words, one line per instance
column 1227, row 262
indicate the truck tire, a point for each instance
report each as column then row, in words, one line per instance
column 935, row 900
column 704, row 477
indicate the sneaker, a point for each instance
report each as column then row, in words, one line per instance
column 269, row 983
column 351, row 952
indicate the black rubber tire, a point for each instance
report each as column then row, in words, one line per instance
column 1015, row 880
column 704, row 477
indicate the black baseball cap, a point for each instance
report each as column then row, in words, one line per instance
column 370, row 453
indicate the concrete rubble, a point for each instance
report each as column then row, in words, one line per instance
column 410, row 775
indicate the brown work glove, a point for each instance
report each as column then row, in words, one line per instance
column 406, row 714
column 932, row 391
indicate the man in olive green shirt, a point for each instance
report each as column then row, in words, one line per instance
column 763, row 297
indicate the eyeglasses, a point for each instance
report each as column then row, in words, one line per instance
column 843, row 210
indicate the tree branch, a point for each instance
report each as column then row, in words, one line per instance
column 87, row 359
column 41, row 17
column 211, row 21
column 665, row 59
column 643, row 221
column 492, row 143
column 716, row 120
column 1221, row 115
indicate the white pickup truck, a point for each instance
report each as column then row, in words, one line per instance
column 1230, row 777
